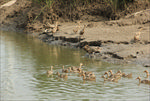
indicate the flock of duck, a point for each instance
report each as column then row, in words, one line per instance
column 81, row 30
column 90, row 76
column 54, row 28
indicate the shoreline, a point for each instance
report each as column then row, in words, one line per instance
column 110, row 41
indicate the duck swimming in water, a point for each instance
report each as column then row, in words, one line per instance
column 50, row 72
column 91, row 78
column 64, row 70
column 110, row 79
column 143, row 81
column 127, row 75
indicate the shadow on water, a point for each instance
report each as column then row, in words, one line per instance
column 25, row 61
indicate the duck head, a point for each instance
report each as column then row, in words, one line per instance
column 146, row 71
column 138, row 78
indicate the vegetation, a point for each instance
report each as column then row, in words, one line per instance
column 115, row 4
column 74, row 9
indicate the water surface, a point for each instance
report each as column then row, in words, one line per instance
column 24, row 63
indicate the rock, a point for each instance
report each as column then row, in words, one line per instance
column 146, row 65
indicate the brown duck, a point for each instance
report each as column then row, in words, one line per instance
column 50, row 72
column 143, row 81
column 76, row 68
column 127, row 75
column 62, row 75
column 89, row 78
column 110, row 79
column 64, row 70
column 82, row 31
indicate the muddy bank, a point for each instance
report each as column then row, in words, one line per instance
column 109, row 51
column 111, row 41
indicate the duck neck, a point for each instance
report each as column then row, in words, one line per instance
column 80, row 66
column 147, row 74
column 51, row 69
column 107, row 75
column 83, row 77
column 111, row 73
column 70, row 69
column 139, row 80
column 58, row 74
column 104, row 78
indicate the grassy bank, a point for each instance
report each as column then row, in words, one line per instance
column 50, row 11
column 110, row 6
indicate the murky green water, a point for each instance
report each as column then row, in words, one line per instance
column 24, row 63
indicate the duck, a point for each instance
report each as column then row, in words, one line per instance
column 70, row 69
column 75, row 30
column 107, row 74
column 88, row 73
column 147, row 73
column 50, row 72
column 127, row 75
column 81, row 64
column 64, row 70
column 143, row 81
column 82, row 31
column 76, row 68
column 62, row 75
column 55, row 28
column 118, row 74
column 110, row 79
column 89, row 78
column 137, row 36
column 81, row 73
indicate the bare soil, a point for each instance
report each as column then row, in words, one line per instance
column 109, row 40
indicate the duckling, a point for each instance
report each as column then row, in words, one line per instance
column 127, row 75
column 81, row 64
column 62, row 75
column 82, row 31
column 75, row 30
column 89, row 78
column 76, row 68
column 143, row 81
column 118, row 74
column 81, row 73
column 147, row 73
column 92, row 75
column 110, row 79
column 50, row 72
column 137, row 35
column 55, row 28
column 70, row 69
column 107, row 74
column 64, row 70
column 88, row 73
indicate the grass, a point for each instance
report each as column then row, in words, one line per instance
column 70, row 5
column 115, row 4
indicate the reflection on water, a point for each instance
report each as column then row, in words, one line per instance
column 24, row 63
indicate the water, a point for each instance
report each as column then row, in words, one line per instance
column 24, row 63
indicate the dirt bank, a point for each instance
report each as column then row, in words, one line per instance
column 111, row 41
